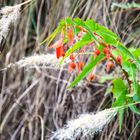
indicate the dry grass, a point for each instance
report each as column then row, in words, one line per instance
column 85, row 126
column 34, row 102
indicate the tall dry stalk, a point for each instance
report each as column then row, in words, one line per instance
column 85, row 126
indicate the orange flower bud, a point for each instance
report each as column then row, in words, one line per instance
column 72, row 57
column 96, row 53
column 80, row 66
column 119, row 59
column 109, row 66
column 91, row 77
column 71, row 36
column 71, row 67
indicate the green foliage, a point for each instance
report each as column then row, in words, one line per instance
column 126, row 88
column 119, row 92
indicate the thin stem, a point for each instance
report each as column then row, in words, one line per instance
column 21, row 4
column 133, row 130
column 125, row 73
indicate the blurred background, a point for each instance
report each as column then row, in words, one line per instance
column 35, row 100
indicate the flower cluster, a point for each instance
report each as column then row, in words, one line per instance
column 60, row 48
column 68, row 38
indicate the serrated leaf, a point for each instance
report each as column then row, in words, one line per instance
column 135, row 52
column 120, row 101
column 87, row 69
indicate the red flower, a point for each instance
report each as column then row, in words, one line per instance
column 60, row 51
column 71, row 36
column 109, row 66
column 71, row 67
column 91, row 77
column 96, row 53
column 58, row 45
column 119, row 59
column 80, row 66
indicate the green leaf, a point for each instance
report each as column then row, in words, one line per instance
column 95, row 27
column 105, row 30
column 91, row 34
column 78, row 22
column 133, row 107
column 123, row 49
column 136, row 97
column 119, row 91
column 108, row 38
column 121, row 115
column 120, row 101
column 69, row 21
column 87, row 69
column 119, row 88
column 91, row 24
column 135, row 52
